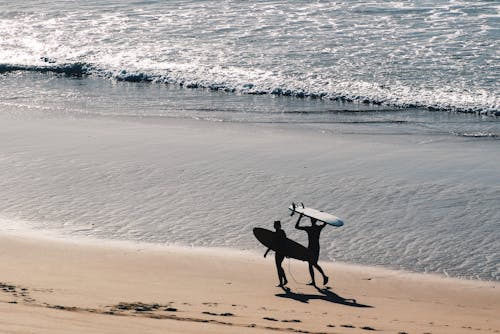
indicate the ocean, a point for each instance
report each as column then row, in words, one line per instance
column 191, row 122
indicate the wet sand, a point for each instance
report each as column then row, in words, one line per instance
column 56, row 286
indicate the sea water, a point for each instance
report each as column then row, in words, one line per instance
column 440, row 54
column 390, row 106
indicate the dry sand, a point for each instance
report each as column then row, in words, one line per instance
column 55, row 286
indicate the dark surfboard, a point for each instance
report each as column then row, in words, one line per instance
column 287, row 246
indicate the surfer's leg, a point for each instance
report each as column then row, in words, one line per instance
column 311, row 272
column 278, row 258
column 313, row 261
column 325, row 278
column 283, row 276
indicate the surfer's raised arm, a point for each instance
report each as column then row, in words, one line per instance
column 298, row 222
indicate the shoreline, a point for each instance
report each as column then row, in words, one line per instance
column 114, row 289
column 117, row 179
column 159, row 182
column 113, row 244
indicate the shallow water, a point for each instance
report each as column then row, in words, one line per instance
column 352, row 107
column 147, row 162
column 59, row 95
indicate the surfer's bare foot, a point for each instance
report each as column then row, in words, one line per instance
column 285, row 281
column 312, row 283
column 325, row 280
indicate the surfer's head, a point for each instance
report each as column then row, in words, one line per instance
column 277, row 224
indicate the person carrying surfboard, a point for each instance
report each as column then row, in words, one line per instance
column 279, row 238
column 313, row 233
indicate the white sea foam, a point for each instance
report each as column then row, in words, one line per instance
column 419, row 53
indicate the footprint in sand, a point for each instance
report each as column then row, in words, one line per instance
column 142, row 307
column 170, row 309
column 138, row 307
column 7, row 287
column 226, row 314
column 16, row 292
column 368, row 328
column 239, row 306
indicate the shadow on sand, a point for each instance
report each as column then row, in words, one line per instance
column 325, row 294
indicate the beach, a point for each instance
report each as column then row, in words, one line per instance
column 411, row 202
column 54, row 286
column 63, row 273
column 141, row 144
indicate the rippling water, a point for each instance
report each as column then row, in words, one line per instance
column 418, row 190
column 438, row 54
column 85, row 154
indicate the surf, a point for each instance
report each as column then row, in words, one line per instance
column 348, row 51
column 80, row 69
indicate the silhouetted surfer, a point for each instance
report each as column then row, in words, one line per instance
column 279, row 238
column 313, row 233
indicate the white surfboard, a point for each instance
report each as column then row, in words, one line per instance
column 319, row 215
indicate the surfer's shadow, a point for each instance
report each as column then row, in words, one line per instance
column 324, row 294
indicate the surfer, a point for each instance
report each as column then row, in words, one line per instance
column 279, row 238
column 313, row 233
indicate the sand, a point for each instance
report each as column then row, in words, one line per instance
column 59, row 286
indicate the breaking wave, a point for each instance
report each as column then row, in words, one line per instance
column 76, row 69
column 439, row 56
column 80, row 69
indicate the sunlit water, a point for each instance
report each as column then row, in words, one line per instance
column 93, row 158
column 439, row 54
column 332, row 103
